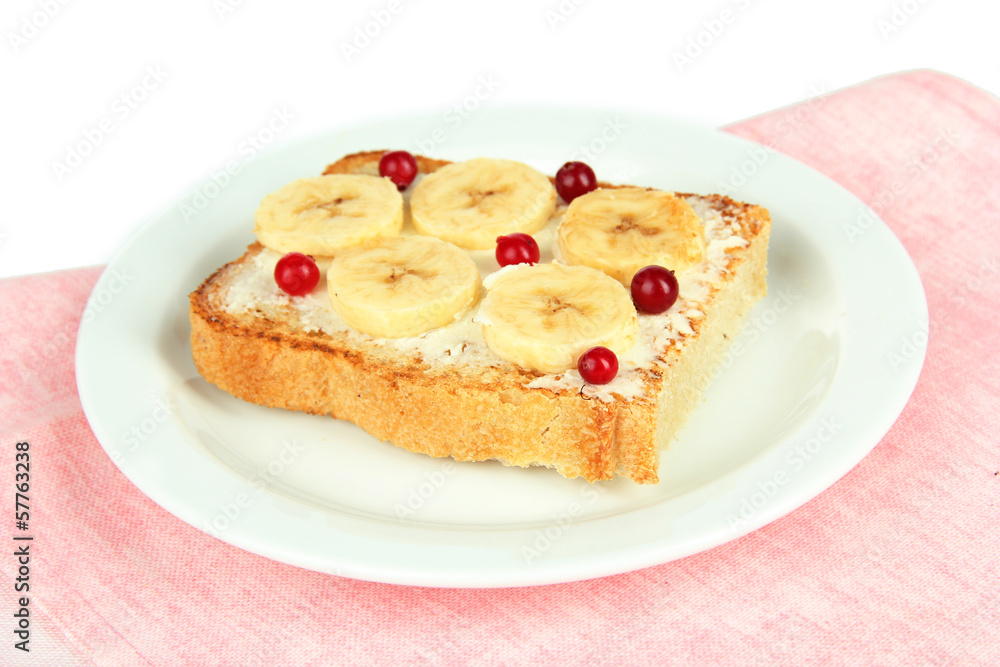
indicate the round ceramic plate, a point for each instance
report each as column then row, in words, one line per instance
column 815, row 380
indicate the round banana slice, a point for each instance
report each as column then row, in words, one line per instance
column 403, row 286
column 621, row 230
column 471, row 203
column 318, row 216
column 544, row 316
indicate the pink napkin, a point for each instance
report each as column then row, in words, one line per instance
column 898, row 563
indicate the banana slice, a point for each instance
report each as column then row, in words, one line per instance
column 318, row 216
column 403, row 286
column 544, row 316
column 621, row 230
column 471, row 203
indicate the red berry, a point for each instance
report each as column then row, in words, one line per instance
column 400, row 167
column 598, row 365
column 516, row 248
column 574, row 179
column 654, row 289
column 296, row 274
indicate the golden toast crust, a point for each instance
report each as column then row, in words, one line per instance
column 471, row 414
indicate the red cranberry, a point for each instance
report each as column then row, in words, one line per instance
column 296, row 274
column 516, row 248
column 654, row 289
column 598, row 365
column 400, row 167
column 574, row 179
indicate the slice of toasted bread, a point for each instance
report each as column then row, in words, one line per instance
column 445, row 394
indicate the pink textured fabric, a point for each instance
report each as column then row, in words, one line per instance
column 895, row 564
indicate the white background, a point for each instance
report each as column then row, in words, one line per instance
column 224, row 68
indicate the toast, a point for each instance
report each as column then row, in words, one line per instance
column 444, row 393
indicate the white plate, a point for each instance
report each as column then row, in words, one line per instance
column 823, row 370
